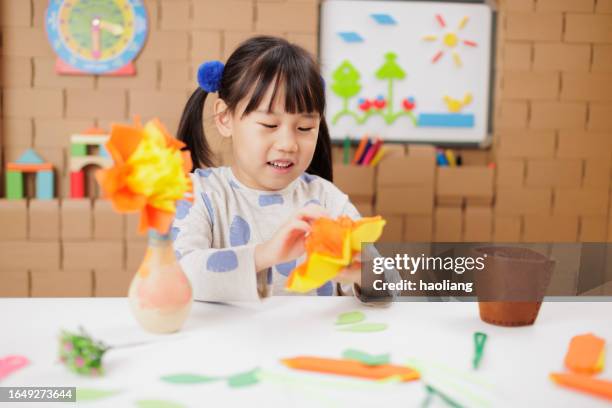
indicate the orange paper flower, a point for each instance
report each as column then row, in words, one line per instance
column 150, row 173
column 330, row 247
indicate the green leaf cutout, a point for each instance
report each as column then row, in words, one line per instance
column 244, row 379
column 93, row 394
column 365, row 327
column 158, row 404
column 350, row 317
column 365, row 358
column 189, row 379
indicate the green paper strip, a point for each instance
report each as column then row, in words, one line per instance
column 93, row 394
column 451, row 402
column 244, row 379
column 365, row 327
column 365, row 358
column 189, row 379
column 479, row 342
column 158, row 404
column 350, row 318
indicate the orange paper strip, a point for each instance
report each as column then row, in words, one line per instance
column 585, row 354
column 584, row 383
column 351, row 368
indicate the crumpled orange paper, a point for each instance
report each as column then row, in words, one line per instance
column 150, row 173
column 330, row 247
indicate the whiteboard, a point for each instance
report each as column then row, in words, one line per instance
column 407, row 71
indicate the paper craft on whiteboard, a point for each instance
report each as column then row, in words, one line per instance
column 409, row 71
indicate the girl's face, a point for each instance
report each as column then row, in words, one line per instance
column 271, row 149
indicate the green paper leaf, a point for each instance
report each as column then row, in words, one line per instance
column 244, row 379
column 365, row 358
column 158, row 404
column 188, row 379
column 93, row 394
column 390, row 69
column 350, row 317
column 365, row 327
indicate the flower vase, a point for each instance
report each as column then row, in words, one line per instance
column 160, row 294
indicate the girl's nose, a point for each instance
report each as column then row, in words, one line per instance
column 287, row 141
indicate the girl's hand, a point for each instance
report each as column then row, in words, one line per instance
column 288, row 241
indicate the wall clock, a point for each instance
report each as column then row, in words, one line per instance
column 99, row 37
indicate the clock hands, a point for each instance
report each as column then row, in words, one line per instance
column 96, row 26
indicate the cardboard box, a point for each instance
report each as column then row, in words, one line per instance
column 394, row 228
column 526, row 145
column 507, row 228
column 465, row 182
column 15, row 283
column 531, row 85
column 603, row 6
column 55, row 133
column 602, row 58
column 26, row 103
column 93, row 254
column 562, row 57
column 17, row 133
column 587, row 202
column 83, row 103
column 558, row 115
column 478, row 224
column 587, row 28
column 230, row 15
column 175, row 14
column 406, row 171
column 587, row 87
column 597, row 173
column 554, row 173
column 519, row 5
column 44, row 222
column 600, row 116
column 418, row 228
column 298, row 17
column 365, row 208
column 135, row 252
column 581, row 6
column 526, row 26
column 146, row 79
column 111, row 283
column 25, row 42
column 132, row 222
column 14, row 219
column 150, row 104
column 45, row 76
column 593, row 229
column 107, row 224
column 450, row 202
column 521, row 201
column 510, row 173
column 16, row 14
column 356, row 181
column 550, row 228
column 405, row 200
column 76, row 283
column 176, row 75
column 516, row 56
column 166, row 45
column 575, row 144
column 17, row 72
column 511, row 115
column 76, row 219
column 448, row 224
column 19, row 255
column 475, row 157
column 205, row 46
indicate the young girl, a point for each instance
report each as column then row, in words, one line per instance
column 246, row 228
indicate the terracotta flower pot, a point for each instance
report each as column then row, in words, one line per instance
column 512, row 285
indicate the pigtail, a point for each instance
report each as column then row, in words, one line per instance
column 321, row 164
column 191, row 130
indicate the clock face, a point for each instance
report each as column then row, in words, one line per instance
column 96, row 36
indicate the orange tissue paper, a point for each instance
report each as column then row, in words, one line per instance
column 330, row 247
column 150, row 173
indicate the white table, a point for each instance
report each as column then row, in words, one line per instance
column 224, row 339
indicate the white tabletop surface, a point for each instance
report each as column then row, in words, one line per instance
column 223, row 339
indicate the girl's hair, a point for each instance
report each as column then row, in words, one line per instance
column 253, row 67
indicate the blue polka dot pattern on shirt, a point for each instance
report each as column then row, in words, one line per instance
column 270, row 199
column 307, row 177
column 326, row 290
column 313, row 201
column 174, row 231
column 286, row 268
column 222, row 261
column 203, row 172
column 182, row 209
column 269, row 276
column 209, row 208
column 240, row 232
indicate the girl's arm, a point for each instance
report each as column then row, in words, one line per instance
column 216, row 274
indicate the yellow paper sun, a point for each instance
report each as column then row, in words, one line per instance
column 450, row 40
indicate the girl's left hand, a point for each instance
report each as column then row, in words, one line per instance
column 351, row 273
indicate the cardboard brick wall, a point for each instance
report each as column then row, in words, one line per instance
column 552, row 136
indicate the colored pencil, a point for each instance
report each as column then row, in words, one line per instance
column 360, row 149
column 584, row 383
column 372, row 152
column 347, row 150
column 365, row 151
column 351, row 368
column 450, row 157
column 378, row 156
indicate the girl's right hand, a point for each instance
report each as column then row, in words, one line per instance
column 288, row 241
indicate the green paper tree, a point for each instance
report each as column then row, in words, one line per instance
column 390, row 71
column 346, row 85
